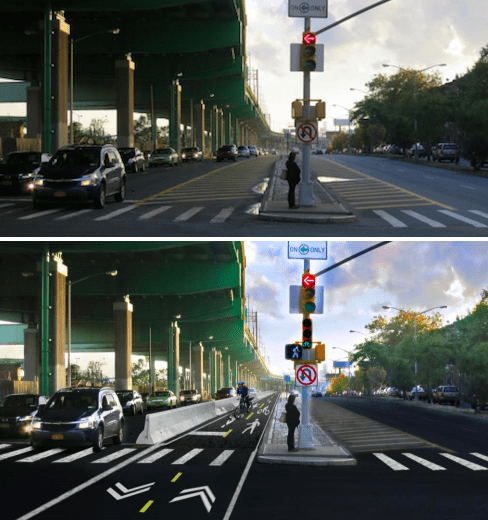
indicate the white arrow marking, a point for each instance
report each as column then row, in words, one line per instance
column 130, row 492
column 200, row 492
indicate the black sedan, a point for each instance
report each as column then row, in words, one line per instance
column 227, row 152
column 18, row 169
column 17, row 412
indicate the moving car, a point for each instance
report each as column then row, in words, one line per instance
column 18, row 170
column 192, row 153
column 190, row 396
column 252, row 392
column 133, row 158
column 253, row 150
column 226, row 392
column 131, row 401
column 79, row 416
column 229, row 151
column 162, row 399
column 81, row 174
column 17, row 412
column 243, row 151
column 164, row 156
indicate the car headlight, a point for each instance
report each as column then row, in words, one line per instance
column 36, row 425
column 39, row 181
column 183, row 155
column 89, row 180
column 89, row 422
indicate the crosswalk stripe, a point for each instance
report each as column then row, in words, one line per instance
column 116, row 455
column 389, row 218
column 426, row 463
column 420, row 217
column 40, row 214
column 480, row 213
column 222, row 216
column 116, row 213
column 188, row 456
column 474, row 223
column 155, row 456
column 188, row 214
column 484, row 457
column 2, row 446
column 222, row 458
column 153, row 213
column 16, row 452
column 76, row 456
column 42, row 455
column 463, row 462
column 396, row 466
column 74, row 214
column 7, row 205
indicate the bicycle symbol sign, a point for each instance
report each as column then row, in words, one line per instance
column 306, row 375
column 307, row 132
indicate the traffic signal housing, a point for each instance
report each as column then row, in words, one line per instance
column 309, row 51
column 293, row 351
column 307, row 333
column 320, row 352
column 307, row 294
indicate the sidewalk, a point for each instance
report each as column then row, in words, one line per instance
column 274, row 450
column 275, row 203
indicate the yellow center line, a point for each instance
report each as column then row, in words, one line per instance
column 147, row 506
column 250, row 415
column 227, row 433
column 176, row 477
column 393, row 186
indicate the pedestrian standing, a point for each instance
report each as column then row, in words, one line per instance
column 292, row 421
column 293, row 178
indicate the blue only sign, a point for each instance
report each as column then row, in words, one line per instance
column 307, row 250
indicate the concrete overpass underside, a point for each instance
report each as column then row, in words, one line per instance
column 167, row 297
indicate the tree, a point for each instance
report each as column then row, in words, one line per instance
column 340, row 141
column 94, row 373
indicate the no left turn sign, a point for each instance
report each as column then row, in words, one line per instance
column 306, row 375
column 307, row 132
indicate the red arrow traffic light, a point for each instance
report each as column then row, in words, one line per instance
column 308, row 280
column 309, row 38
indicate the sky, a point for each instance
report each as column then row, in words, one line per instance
column 414, row 34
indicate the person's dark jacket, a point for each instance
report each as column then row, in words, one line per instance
column 292, row 414
column 292, row 172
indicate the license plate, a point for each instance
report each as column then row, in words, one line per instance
column 60, row 194
column 57, row 437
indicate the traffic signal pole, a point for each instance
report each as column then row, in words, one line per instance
column 306, row 187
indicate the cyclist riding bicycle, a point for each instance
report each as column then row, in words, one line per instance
column 243, row 391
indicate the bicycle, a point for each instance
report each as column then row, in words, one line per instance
column 242, row 409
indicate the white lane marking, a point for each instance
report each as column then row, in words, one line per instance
column 7, row 205
column 155, row 456
column 480, row 213
column 4, row 446
column 16, row 452
column 484, row 457
column 218, row 434
column 222, row 216
column 74, row 214
column 428, row 177
column 222, row 458
column 76, row 456
column 40, row 214
column 469, row 187
column 389, row 218
column 115, row 213
column 153, row 213
column 463, row 462
column 116, row 455
column 420, row 217
column 42, row 455
column 396, row 466
column 474, row 223
column 188, row 456
column 188, row 214
column 426, row 463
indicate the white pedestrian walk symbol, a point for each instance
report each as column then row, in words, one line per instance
column 296, row 353
column 252, row 426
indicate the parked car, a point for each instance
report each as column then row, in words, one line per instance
column 190, row 396
column 17, row 412
column 392, row 392
column 228, row 151
column 317, row 394
column 78, row 416
column 226, row 392
column 446, row 394
column 162, row 399
column 243, row 151
column 445, row 152
column 422, row 394
column 133, row 158
column 382, row 391
column 81, row 174
column 163, row 156
column 479, row 400
column 252, row 392
column 131, row 401
column 18, row 170
column 192, row 153
column 416, row 148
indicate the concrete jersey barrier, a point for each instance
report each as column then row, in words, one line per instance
column 162, row 426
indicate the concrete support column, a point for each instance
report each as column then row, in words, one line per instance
column 227, row 372
column 32, row 355
column 199, row 122
column 124, row 76
column 60, row 82
column 197, row 366
column 123, row 344
column 34, row 112
column 228, row 128
column 175, row 116
column 174, row 358
column 236, row 132
column 215, row 128
column 222, row 128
